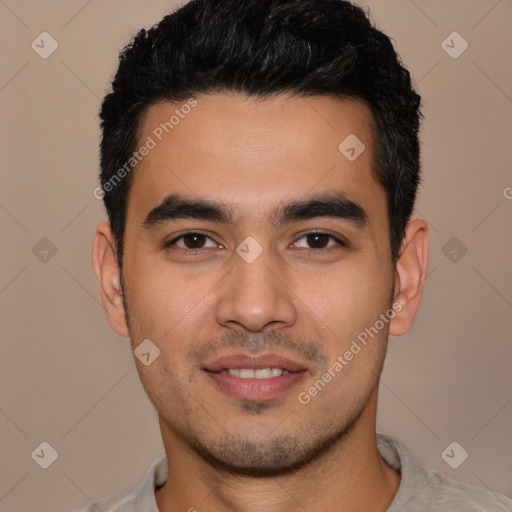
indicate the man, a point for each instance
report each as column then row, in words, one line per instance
column 259, row 166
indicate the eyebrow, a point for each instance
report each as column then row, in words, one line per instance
column 329, row 204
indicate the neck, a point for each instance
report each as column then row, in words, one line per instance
column 351, row 473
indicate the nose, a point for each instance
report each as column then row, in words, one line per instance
column 255, row 296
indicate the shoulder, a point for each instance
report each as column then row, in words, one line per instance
column 422, row 489
column 141, row 499
column 445, row 491
column 124, row 502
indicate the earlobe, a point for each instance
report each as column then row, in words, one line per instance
column 410, row 275
column 104, row 261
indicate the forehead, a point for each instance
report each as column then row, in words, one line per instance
column 253, row 154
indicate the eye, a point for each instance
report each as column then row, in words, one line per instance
column 191, row 241
column 320, row 240
column 195, row 241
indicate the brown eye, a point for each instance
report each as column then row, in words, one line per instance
column 318, row 241
column 190, row 241
column 193, row 241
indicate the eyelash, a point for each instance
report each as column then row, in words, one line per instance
column 340, row 243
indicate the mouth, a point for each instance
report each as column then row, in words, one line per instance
column 254, row 378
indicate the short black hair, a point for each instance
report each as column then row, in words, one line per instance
column 264, row 48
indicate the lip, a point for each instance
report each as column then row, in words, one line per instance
column 254, row 389
column 254, row 362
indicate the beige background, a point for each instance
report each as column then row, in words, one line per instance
column 67, row 379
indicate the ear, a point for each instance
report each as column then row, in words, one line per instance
column 410, row 275
column 104, row 261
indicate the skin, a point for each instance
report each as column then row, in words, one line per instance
column 252, row 156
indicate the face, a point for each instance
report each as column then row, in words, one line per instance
column 282, row 262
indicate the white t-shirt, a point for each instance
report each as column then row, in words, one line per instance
column 420, row 490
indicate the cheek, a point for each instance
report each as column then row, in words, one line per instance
column 163, row 298
column 349, row 300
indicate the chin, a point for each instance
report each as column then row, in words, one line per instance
column 285, row 454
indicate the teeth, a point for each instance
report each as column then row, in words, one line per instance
column 260, row 373
column 263, row 373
